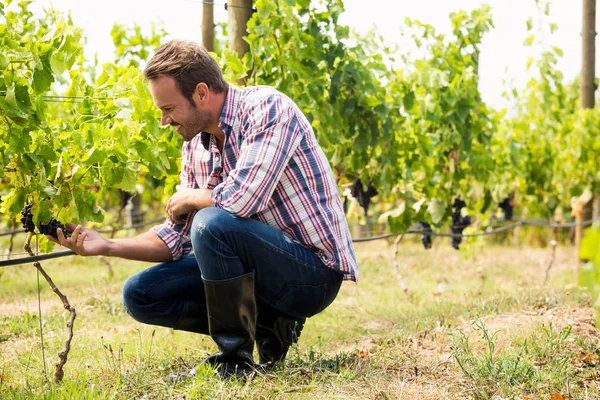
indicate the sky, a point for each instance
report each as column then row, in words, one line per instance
column 503, row 55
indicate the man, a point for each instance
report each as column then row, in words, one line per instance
column 259, row 207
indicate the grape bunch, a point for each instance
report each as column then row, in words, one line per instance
column 45, row 229
column 27, row 219
column 459, row 222
column 426, row 238
column 364, row 198
column 506, row 206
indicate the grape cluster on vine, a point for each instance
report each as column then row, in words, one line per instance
column 506, row 206
column 426, row 231
column 459, row 222
column 363, row 197
column 27, row 219
column 45, row 229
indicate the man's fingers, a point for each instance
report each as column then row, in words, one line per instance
column 76, row 232
column 52, row 239
column 71, row 226
column 74, row 235
column 61, row 237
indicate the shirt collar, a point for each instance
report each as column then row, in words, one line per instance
column 230, row 106
column 227, row 114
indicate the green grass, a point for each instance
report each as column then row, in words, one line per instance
column 482, row 327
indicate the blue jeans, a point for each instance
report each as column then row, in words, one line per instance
column 289, row 277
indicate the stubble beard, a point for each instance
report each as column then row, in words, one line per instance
column 199, row 121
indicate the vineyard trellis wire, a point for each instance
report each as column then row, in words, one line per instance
column 487, row 232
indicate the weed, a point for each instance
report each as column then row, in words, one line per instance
column 490, row 372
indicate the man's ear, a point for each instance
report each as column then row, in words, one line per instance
column 202, row 90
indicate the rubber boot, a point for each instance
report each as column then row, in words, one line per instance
column 193, row 319
column 231, row 306
column 275, row 333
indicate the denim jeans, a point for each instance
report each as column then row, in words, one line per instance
column 289, row 277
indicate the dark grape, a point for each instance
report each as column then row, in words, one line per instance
column 44, row 229
column 27, row 219
column 459, row 222
column 426, row 238
column 364, row 198
column 507, row 208
column 51, row 227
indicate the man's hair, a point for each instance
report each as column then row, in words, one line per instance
column 189, row 64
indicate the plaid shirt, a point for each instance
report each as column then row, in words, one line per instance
column 272, row 169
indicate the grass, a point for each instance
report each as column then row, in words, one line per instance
column 479, row 324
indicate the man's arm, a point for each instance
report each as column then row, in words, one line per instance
column 87, row 242
column 187, row 200
column 144, row 247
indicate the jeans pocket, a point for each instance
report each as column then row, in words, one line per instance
column 301, row 300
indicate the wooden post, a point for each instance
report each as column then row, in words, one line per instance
column 578, row 230
column 239, row 12
column 577, row 212
column 588, row 55
column 587, row 87
column 208, row 26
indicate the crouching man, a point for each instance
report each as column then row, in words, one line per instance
column 259, row 207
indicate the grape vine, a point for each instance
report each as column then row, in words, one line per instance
column 418, row 132
column 67, row 158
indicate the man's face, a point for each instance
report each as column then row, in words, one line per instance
column 177, row 111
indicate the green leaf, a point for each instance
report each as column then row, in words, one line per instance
column 128, row 181
column 590, row 246
column 436, row 210
column 529, row 40
column 14, row 201
column 4, row 60
column 85, row 201
column 46, row 246
column 487, row 201
column 42, row 209
column 409, row 101
column 17, row 100
column 558, row 51
column 398, row 219
column 42, row 76
column 587, row 276
column 49, row 191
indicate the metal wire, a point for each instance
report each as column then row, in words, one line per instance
column 25, row 260
column 485, row 233
column 13, row 232
column 16, row 261
column 133, row 226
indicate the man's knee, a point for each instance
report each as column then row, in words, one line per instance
column 133, row 298
column 208, row 222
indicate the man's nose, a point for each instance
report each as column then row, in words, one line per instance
column 165, row 119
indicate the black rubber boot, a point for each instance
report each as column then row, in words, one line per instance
column 275, row 333
column 193, row 319
column 231, row 309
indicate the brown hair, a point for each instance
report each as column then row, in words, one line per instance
column 189, row 64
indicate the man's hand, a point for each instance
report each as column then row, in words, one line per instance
column 83, row 241
column 187, row 200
